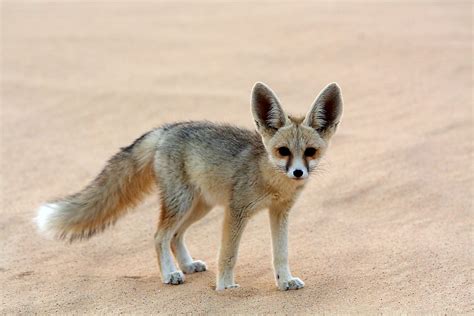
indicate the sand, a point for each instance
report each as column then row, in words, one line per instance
column 386, row 227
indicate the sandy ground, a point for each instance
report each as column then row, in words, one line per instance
column 387, row 227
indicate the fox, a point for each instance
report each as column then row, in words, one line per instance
column 197, row 165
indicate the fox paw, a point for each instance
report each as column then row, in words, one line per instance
column 226, row 287
column 291, row 284
column 195, row 266
column 175, row 277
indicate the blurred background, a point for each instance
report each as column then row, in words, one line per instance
column 387, row 227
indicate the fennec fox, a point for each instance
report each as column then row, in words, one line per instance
column 197, row 165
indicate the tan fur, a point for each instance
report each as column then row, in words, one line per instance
column 297, row 120
column 198, row 165
column 125, row 180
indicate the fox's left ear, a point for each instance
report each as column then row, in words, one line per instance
column 326, row 111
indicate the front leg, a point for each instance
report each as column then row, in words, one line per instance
column 234, row 224
column 279, row 227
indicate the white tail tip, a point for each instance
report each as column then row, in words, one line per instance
column 45, row 220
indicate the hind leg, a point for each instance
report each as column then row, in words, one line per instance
column 173, row 212
column 185, row 261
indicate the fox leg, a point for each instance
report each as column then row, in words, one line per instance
column 174, row 208
column 279, row 227
column 234, row 224
column 185, row 261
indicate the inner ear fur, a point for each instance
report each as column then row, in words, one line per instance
column 266, row 109
column 326, row 111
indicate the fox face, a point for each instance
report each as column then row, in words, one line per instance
column 295, row 149
column 295, row 145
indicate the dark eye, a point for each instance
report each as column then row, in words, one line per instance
column 284, row 151
column 310, row 151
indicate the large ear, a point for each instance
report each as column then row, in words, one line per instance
column 326, row 110
column 266, row 109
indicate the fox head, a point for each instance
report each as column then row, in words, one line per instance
column 296, row 145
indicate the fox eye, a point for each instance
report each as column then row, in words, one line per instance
column 284, row 151
column 310, row 151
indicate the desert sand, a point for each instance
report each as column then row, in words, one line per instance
column 387, row 225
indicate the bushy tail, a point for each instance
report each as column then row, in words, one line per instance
column 125, row 180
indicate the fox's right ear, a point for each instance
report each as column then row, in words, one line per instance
column 266, row 109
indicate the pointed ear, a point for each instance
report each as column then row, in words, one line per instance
column 266, row 109
column 326, row 110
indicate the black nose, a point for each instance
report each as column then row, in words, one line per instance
column 298, row 173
